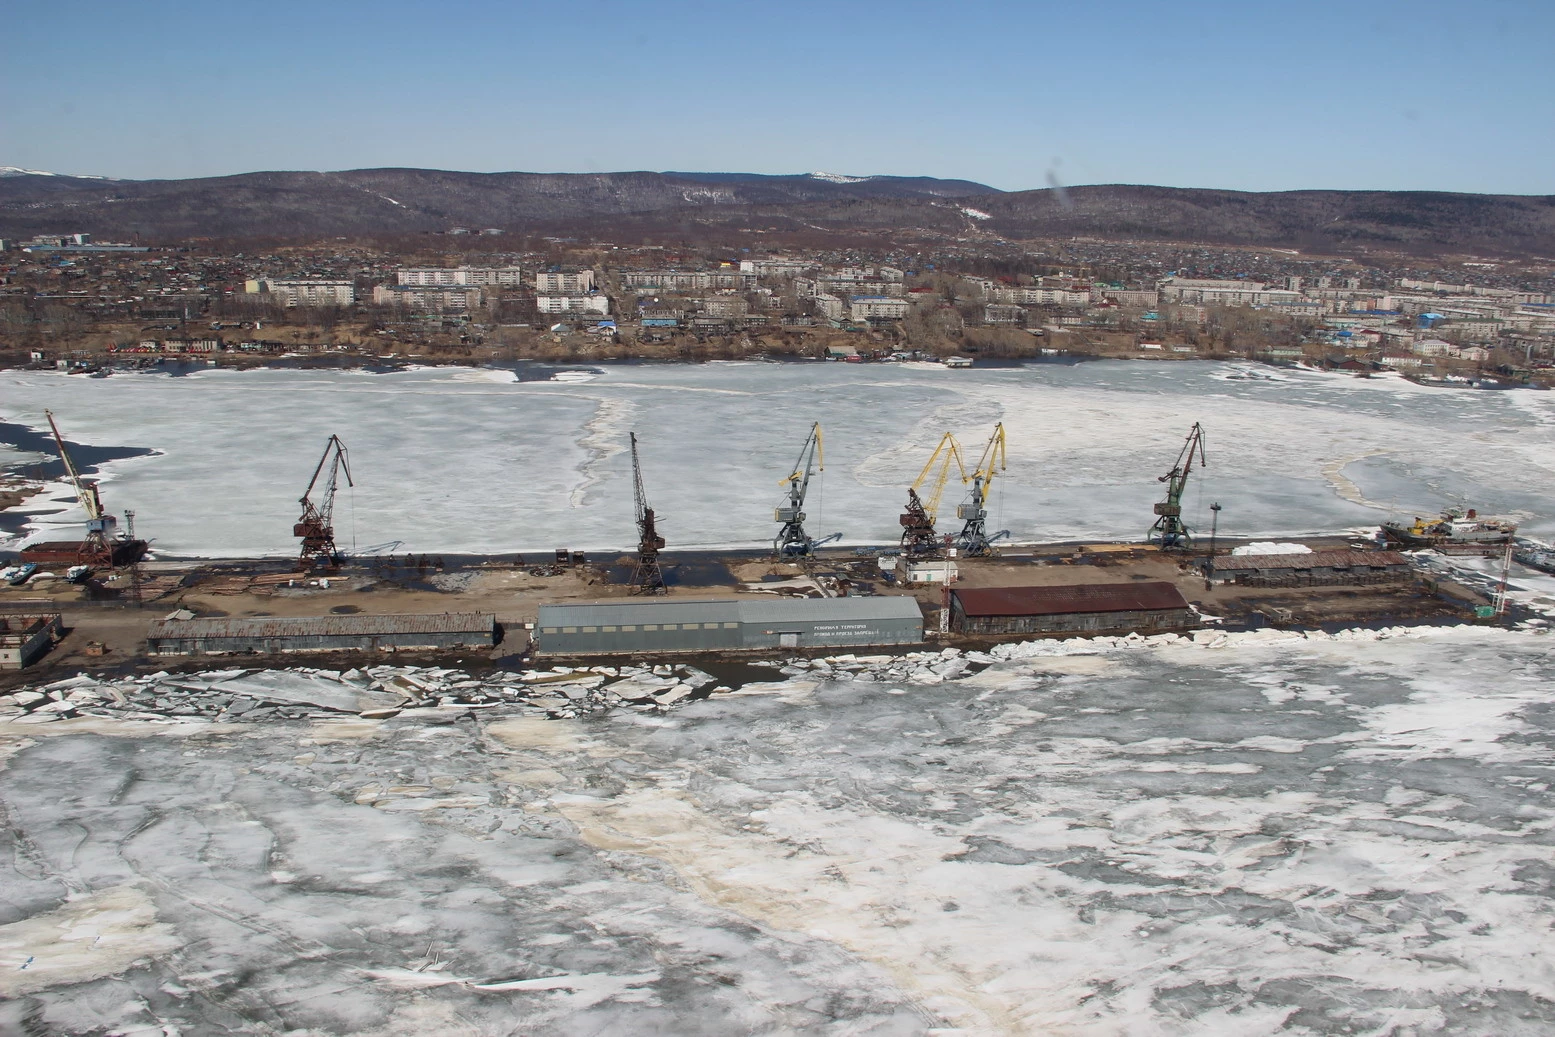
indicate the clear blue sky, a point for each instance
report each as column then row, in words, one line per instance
column 1252, row 96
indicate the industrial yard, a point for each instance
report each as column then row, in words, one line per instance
column 953, row 576
column 113, row 634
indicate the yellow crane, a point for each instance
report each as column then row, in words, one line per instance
column 103, row 546
column 918, row 537
column 974, row 539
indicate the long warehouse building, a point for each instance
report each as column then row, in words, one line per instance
column 321, row 633
column 732, row 624
column 1091, row 608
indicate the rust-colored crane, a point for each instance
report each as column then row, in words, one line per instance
column 316, row 527
column 648, row 578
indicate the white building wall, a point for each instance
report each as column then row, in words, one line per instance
column 573, row 303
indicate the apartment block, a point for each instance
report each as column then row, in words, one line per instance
column 305, row 291
column 564, row 282
column 479, row 276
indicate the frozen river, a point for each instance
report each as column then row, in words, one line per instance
column 1314, row 836
column 479, row 461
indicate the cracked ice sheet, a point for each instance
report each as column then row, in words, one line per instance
column 1281, row 837
column 437, row 452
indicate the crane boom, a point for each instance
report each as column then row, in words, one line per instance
column 918, row 536
column 86, row 492
column 945, row 453
column 316, row 527
column 974, row 539
column 101, row 545
column 648, row 578
column 1169, row 529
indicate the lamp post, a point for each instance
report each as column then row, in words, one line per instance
column 1214, row 527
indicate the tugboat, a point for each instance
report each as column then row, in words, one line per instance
column 1454, row 531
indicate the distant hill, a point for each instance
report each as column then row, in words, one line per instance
column 388, row 201
column 301, row 205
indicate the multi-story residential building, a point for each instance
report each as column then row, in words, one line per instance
column 684, row 280
column 564, row 282
column 1144, row 298
column 725, row 306
column 460, row 275
column 1212, row 293
column 572, row 303
column 305, row 291
column 1539, row 319
column 1001, row 313
column 829, row 306
column 661, row 317
column 1473, row 330
column 429, row 298
column 876, row 307
column 841, row 287
column 1510, row 295
column 1036, row 295
column 776, row 267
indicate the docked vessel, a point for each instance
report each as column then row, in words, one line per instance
column 1535, row 555
column 115, row 553
column 1453, row 530
column 104, row 547
column 20, row 574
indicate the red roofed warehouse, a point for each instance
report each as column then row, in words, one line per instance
column 1083, row 608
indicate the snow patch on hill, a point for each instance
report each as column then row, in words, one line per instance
column 19, row 171
column 838, row 178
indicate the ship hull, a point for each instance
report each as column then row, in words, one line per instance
column 78, row 552
column 1477, row 542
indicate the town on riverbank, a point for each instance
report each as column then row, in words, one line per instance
column 92, row 308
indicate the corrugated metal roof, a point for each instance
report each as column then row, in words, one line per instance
column 1085, row 597
column 1319, row 559
column 637, row 611
column 325, row 626
column 821, row 610
column 726, row 610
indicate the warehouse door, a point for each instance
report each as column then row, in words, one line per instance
column 788, row 639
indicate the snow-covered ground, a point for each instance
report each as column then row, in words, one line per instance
column 1255, row 834
column 450, row 460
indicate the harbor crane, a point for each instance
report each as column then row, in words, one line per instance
column 102, row 547
column 316, row 527
column 648, row 577
column 792, row 541
column 918, row 537
column 974, row 540
column 1169, row 530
